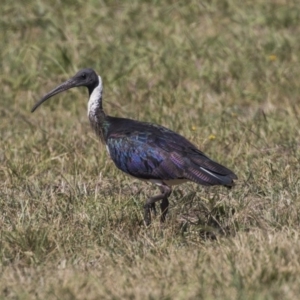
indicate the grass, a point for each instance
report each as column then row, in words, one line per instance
column 225, row 75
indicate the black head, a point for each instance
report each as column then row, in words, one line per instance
column 84, row 77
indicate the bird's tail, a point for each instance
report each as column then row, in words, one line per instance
column 210, row 173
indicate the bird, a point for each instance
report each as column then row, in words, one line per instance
column 146, row 151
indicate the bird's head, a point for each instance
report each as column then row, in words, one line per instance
column 85, row 77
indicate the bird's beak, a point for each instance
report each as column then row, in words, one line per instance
column 62, row 87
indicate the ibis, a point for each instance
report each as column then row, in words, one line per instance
column 146, row 151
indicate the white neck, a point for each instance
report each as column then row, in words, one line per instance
column 95, row 99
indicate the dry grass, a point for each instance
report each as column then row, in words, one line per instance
column 70, row 221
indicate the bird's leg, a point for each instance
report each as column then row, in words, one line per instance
column 164, row 205
column 150, row 204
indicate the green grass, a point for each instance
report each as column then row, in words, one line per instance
column 70, row 221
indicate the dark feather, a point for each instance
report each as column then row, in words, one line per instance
column 149, row 151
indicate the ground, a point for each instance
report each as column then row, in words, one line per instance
column 224, row 74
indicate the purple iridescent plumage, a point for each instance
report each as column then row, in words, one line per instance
column 149, row 151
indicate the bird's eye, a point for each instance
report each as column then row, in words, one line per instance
column 83, row 76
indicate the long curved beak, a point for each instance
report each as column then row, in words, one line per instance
column 62, row 87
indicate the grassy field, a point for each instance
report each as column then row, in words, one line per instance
column 225, row 74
